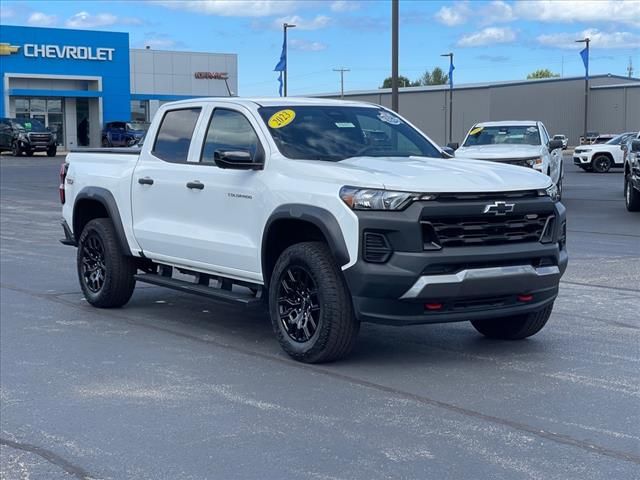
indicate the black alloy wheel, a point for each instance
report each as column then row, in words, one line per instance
column 602, row 164
column 298, row 304
column 93, row 266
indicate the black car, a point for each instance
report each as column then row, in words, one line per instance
column 26, row 135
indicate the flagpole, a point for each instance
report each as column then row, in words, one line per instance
column 585, row 59
column 285, row 26
column 450, row 55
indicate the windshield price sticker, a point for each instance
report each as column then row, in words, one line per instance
column 388, row 118
column 281, row 118
column 345, row 125
column 475, row 131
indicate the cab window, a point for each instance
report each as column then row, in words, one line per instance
column 174, row 135
column 229, row 130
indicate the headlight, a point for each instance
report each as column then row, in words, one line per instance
column 22, row 137
column 551, row 191
column 535, row 162
column 372, row 199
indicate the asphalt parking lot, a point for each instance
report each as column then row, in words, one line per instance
column 176, row 387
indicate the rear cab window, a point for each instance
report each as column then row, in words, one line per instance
column 175, row 133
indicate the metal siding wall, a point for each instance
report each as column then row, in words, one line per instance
column 607, row 110
column 633, row 110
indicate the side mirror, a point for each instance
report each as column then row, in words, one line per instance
column 238, row 160
column 449, row 151
column 635, row 146
column 453, row 145
column 555, row 144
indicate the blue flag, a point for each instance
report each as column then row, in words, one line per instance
column 451, row 69
column 584, row 53
column 281, row 65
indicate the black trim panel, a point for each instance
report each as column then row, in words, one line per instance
column 105, row 197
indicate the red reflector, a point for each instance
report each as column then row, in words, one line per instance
column 525, row 298
column 433, row 306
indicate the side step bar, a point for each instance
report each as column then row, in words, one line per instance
column 238, row 298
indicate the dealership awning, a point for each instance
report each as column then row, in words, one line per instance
column 27, row 92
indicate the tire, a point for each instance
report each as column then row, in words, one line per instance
column 515, row 327
column 560, row 183
column 51, row 151
column 29, row 153
column 631, row 195
column 301, row 270
column 99, row 253
column 601, row 164
column 16, row 151
column 106, row 143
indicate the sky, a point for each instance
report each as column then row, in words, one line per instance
column 491, row 40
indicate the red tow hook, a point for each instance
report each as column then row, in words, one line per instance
column 525, row 298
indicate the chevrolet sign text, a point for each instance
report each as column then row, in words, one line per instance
column 68, row 52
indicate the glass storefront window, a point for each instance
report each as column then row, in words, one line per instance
column 54, row 105
column 22, row 105
column 139, row 111
column 38, row 105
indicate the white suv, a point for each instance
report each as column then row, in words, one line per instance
column 522, row 143
column 601, row 157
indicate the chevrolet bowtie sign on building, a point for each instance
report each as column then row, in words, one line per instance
column 77, row 81
column 8, row 49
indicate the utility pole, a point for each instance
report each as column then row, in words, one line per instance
column 585, row 58
column 341, row 70
column 450, row 55
column 394, row 54
column 285, row 26
column 630, row 68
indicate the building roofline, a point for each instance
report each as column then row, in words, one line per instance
column 479, row 85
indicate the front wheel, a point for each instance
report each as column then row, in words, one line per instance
column 106, row 275
column 310, row 305
column 51, row 151
column 16, row 151
column 515, row 327
column 631, row 195
column 601, row 164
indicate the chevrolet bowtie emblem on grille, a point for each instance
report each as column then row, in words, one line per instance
column 499, row 208
column 7, row 49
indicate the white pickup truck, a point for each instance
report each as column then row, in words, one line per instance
column 522, row 143
column 330, row 213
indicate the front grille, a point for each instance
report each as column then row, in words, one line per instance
column 39, row 138
column 453, row 197
column 481, row 230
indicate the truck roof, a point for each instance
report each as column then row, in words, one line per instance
column 277, row 101
column 508, row 123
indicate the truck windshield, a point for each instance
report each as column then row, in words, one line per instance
column 29, row 125
column 335, row 133
column 509, row 135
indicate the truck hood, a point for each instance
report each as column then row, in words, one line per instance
column 422, row 174
column 499, row 152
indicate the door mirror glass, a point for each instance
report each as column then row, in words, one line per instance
column 449, row 151
column 554, row 144
column 453, row 145
column 237, row 159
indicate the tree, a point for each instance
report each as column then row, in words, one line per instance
column 434, row 77
column 402, row 82
column 542, row 73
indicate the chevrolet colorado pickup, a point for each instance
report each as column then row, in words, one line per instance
column 329, row 213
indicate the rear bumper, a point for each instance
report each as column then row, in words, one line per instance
column 455, row 283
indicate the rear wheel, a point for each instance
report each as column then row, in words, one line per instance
column 105, row 142
column 310, row 305
column 601, row 164
column 515, row 327
column 631, row 195
column 106, row 275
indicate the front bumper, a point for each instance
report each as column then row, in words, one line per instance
column 453, row 283
column 581, row 159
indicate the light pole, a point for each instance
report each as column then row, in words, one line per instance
column 285, row 26
column 341, row 70
column 585, row 58
column 450, row 55
column 394, row 55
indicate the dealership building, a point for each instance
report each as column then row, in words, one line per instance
column 614, row 105
column 75, row 81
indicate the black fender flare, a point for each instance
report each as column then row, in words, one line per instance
column 321, row 218
column 104, row 197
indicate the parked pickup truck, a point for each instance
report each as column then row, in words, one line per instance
column 632, row 174
column 330, row 213
column 522, row 143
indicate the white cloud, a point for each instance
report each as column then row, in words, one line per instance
column 497, row 11
column 39, row 19
column 6, row 12
column 87, row 20
column 568, row 11
column 598, row 39
column 297, row 44
column 320, row 21
column 344, row 6
column 234, row 8
column 487, row 36
column 457, row 14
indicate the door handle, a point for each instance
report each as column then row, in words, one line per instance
column 145, row 181
column 196, row 184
